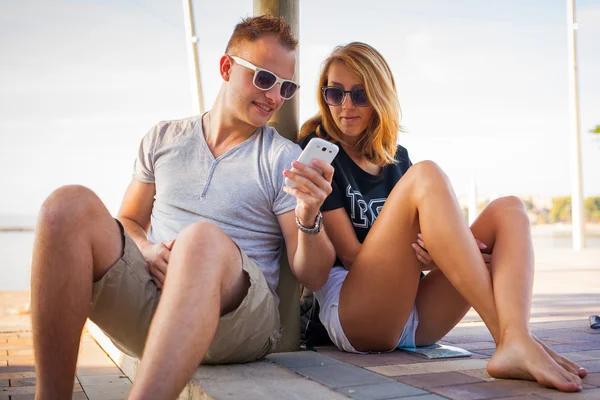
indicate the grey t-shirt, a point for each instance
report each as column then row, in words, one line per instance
column 241, row 191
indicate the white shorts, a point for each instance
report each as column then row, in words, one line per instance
column 329, row 298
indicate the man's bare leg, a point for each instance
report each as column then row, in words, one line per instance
column 204, row 280
column 76, row 242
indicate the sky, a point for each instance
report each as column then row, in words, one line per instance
column 483, row 86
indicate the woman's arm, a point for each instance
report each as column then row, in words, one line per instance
column 342, row 236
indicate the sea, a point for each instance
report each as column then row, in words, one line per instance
column 16, row 248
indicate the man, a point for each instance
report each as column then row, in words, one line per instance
column 206, row 208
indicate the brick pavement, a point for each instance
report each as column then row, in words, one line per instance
column 558, row 318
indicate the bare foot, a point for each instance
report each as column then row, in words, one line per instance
column 563, row 361
column 526, row 359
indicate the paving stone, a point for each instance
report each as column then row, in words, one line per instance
column 87, row 371
column 107, row 392
column 479, row 374
column 573, row 323
column 23, row 362
column 299, row 359
column 235, row 372
column 292, row 388
column 485, row 352
column 104, row 380
column 525, row 397
column 379, row 391
column 335, row 376
column 486, row 337
column 475, row 345
column 17, row 368
column 372, row 360
column 17, row 390
column 592, row 379
column 475, row 391
column 15, row 357
column 586, row 394
column 20, row 352
column 23, row 382
column 591, row 366
column 565, row 334
column 16, row 375
column 23, row 341
column 569, row 348
column 500, row 388
column 430, row 396
column 421, row 368
column 6, row 346
column 427, row 381
column 583, row 355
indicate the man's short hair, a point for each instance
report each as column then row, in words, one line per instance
column 253, row 28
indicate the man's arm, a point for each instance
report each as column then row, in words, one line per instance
column 136, row 209
column 134, row 214
column 310, row 256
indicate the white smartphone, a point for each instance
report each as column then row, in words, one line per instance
column 316, row 148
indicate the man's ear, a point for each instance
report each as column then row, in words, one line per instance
column 225, row 65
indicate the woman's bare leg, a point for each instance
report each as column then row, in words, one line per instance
column 380, row 290
column 504, row 221
column 376, row 297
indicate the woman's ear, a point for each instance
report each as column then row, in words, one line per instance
column 225, row 65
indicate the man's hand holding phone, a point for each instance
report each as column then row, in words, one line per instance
column 310, row 178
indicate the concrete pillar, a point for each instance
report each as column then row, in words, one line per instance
column 286, row 122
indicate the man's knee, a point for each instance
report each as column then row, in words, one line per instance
column 66, row 206
column 201, row 236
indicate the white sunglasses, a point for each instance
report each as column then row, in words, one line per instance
column 265, row 79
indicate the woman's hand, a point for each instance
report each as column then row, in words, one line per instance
column 313, row 188
column 423, row 255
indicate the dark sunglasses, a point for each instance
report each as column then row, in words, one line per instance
column 265, row 79
column 334, row 96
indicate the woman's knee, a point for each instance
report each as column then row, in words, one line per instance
column 428, row 178
column 67, row 206
column 503, row 205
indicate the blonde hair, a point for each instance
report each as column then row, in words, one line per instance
column 379, row 143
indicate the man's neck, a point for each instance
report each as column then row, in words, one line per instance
column 222, row 132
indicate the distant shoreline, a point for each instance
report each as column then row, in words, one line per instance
column 17, row 229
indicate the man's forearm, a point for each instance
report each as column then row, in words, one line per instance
column 313, row 259
column 135, row 231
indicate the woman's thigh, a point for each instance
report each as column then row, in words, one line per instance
column 379, row 292
column 439, row 305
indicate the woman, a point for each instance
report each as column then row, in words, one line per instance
column 376, row 298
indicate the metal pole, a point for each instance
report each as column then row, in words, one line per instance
column 577, row 210
column 192, row 47
column 286, row 123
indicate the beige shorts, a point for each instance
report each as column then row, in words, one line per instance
column 125, row 299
